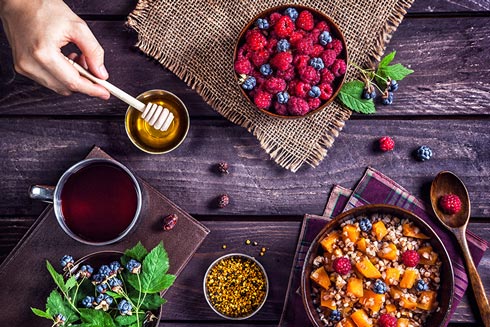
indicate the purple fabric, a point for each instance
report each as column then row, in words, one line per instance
column 373, row 188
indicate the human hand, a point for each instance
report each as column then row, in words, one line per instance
column 37, row 30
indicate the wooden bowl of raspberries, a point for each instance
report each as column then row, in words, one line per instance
column 290, row 61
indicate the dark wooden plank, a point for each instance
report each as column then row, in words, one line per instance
column 445, row 6
column 92, row 7
column 451, row 73
column 39, row 150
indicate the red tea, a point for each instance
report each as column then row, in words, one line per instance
column 99, row 202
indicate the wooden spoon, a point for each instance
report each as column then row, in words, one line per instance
column 446, row 182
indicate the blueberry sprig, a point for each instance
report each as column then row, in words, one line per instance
column 359, row 95
column 120, row 293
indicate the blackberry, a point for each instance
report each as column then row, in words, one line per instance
column 380, row 287
column 103, row 301
column 102, row 288
column 424, row 153
column 85, row 271
column 393, row 86
column 421, row 285
column 283, row 45
column 125, row 307
column 282, row 97
column 105, row 271
column 335, row 315
column 369, row 92
column 115, row 267
column 115, row 284
column 249, row 83
column 262, row 23
column 388, row 98
column 324, row 38
column 59, row 320
column 292, row 13
column 314, row 92
column 265, row 70
column 317, row 63
column 67, row 261
column 365, row 225
column 88, row 301
column 97, row 279
column 133, row 266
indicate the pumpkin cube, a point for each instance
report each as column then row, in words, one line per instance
column 361, row 319
column 367, row 269
column 427, row 300
column 408, row 303
column 379, row 230
column 346, row 322
column 354, row 287
column 396, row 293
column 390, row 308
column 372, row 301
column 413, row 231
column 350, row 232
column 402, row 322
column 328, row 242
column 388, row 252
column 361, row 245
column 427, row 256
column 392, row 276
column 321, row 277
column 409, row 277
column 325, row 301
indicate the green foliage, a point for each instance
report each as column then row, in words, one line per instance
column 96, row 318
column 350, row 95
column 41, row 313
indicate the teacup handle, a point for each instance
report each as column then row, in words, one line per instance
column 42, row 192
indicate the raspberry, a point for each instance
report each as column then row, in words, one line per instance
column 314, row 103
column 301, row 89
column 387, row 320
column 450, row 204
column 274, row 17
column 281, row 109
column 284, row 27
column 243, row 66
column 386, row 144
column 263, row 99
column 272, row 45
column 304, row 46
column 281, row 60
column 287, row 74
column 327, row 76
column 244, row 52
column 260, row 57
column 326, row 90
column 339, row 67
column 255, row 40
column 336, row 45
column 295, row 38
column 298, row 106
column 309, row 75
column 301, row 61
column 314, row 35
column 317, row 50
column 305, row 21
column 275, row 85
column 410, row 258
column 342, row 265
column 322, row 26
column 328, row 57
column 424, row 153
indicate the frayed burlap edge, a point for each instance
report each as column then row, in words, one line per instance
column 281, row 157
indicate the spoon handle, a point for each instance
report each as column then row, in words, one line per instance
column 476, row 283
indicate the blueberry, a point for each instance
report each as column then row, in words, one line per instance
column 324, row 38
column 283, row 97
column 388, row 99
column 369, row 93
column 102, row 288
column 249, row 84
column 115, row 284
column 314, row 92
column 67, row 261
column 133, row 266
column 317, row 63
column 292, row 13
column 380, row 287
column 335, row 315
column 283, row 45
column 424, row 153
column 125, row 307
column 105, row 271
column 88, row 301
column 365, row 225
column 266, row 69
column 421, row 285
column 262, row 23
column 393, row 86
column 115, row 267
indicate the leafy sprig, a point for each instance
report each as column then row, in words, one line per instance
column 141, row 290
column 351, row 94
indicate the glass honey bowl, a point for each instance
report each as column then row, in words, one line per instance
column 153, row 141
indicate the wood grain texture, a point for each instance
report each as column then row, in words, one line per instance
column 39, row 150
column 451, row 73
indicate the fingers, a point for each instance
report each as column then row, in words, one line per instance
column 94, row 54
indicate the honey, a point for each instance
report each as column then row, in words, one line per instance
column 149, row 139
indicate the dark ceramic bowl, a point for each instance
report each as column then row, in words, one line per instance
column 444, row 296
column 335, row 32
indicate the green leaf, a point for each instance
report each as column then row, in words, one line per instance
column 114, row 295
column 137, row 252
column 96, row 318
column 152, row 302
column 387, row 60
column 396, row 72
column 125, row 320
column 41, row 313
column 58, row 278
column 155, row 266
column 350, row 95
column 70, row 283
column 56, row 304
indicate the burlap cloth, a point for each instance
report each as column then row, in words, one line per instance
column 195, row 40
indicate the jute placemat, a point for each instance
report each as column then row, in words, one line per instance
column 195, row 40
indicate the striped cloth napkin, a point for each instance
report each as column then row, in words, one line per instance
column 373, row 188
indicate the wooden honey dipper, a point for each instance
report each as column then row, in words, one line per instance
column 157, row 116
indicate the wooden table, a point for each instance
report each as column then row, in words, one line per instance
column 444, row 104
